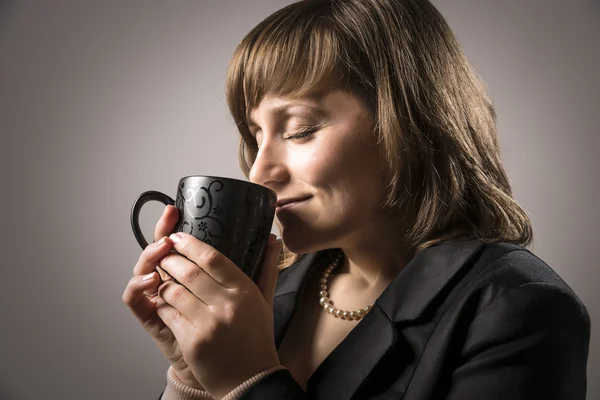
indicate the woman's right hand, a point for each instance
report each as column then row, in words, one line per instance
column 144, row 308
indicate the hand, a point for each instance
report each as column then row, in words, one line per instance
column 222, row 320
column 144, row 308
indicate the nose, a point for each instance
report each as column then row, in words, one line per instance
column 269, row 167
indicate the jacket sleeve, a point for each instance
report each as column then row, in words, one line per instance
column 530, row 343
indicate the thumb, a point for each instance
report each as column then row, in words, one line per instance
column 267, row 278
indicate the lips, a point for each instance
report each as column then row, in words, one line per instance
column 283, row 202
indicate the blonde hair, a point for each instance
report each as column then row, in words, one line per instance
column 435, row 123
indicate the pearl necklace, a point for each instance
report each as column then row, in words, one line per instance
column 326, row 302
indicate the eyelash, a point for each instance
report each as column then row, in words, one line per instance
column 301, row 134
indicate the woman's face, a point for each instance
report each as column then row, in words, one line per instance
column 319, row 148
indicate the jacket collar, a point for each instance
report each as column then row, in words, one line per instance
column 424, row 277
column 405, row 299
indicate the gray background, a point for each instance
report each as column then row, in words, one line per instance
column 100, row 101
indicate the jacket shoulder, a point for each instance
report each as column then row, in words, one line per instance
column 515, row 265
column 511, row 267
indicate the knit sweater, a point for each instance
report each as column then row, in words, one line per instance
column 176, row 390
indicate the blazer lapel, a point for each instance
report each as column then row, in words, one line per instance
column 354, row 358
column 425, row 277
column 287, row 290
column 405, row 299
column 353, row 366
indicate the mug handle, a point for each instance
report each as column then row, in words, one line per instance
column 142, row 199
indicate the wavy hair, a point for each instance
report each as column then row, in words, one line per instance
column 435, row 123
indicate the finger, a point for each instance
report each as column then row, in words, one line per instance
column 166, row 223
column 267, row 278
column 133, row 296
column 186, row 303
column 151, row 256
column 180, row 326
column 193, row 278
column 214, row 263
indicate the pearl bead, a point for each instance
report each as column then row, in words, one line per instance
column 326, row 302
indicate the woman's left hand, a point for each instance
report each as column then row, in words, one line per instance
column 222, row 320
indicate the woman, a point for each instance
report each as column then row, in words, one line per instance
column 403, row 273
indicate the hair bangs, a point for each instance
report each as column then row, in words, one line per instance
column 291, row 62
column 292, row 53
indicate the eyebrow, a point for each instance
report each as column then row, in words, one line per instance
column 285, row 109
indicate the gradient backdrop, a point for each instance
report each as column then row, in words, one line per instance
column 102, row 100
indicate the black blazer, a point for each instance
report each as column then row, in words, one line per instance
column 463, row 320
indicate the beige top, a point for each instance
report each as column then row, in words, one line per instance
column 176, row 390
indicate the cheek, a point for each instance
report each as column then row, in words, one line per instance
column 358, row 178
column 344, row 170
column 319, row 166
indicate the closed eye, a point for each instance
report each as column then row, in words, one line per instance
column 304, row 133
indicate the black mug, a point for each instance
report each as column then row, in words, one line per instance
column 233, row 216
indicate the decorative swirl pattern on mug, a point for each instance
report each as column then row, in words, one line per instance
column 196, row 201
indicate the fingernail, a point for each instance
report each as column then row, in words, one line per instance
column 160, row 242
column 176, row 237
column 148, row 277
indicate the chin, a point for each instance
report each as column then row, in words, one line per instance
column 303, row 243
column 301, row 235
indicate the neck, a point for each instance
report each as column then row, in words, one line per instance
column 372, row 262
